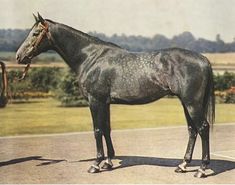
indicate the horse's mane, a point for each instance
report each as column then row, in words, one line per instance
column 82, row 34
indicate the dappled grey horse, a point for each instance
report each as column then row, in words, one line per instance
column 108, row 74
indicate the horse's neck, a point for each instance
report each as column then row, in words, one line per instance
column 70, row 44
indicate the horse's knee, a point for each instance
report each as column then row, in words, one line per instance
column 98, row 133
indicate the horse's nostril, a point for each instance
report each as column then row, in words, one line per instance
column 17, row 57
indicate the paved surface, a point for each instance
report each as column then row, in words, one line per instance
column 143, row 156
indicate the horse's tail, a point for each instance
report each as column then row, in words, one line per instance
column 209, row 99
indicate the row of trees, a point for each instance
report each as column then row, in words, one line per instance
column 10, row 39
column 184, row 40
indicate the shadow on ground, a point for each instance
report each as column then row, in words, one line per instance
column 217, row 165
column 31, row 158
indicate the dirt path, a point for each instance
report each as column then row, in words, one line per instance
column 143, row 156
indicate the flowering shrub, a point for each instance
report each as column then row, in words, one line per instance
column 227, row 96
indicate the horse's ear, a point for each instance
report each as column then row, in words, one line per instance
column 36, row 18
column 41, row 20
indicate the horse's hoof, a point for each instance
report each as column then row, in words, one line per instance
column 180, row 170
column 200, row 174
column 107, row 166
column 94, row 169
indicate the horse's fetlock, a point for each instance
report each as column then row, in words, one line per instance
column 187, row 158
column 100, row 157
column 205, row 162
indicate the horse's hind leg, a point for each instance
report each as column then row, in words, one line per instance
column 203, row 130
column 110, row 151
column 196, row 113
column 191, row 143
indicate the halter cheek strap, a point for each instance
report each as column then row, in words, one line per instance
column 46, row 32
column 42, row 34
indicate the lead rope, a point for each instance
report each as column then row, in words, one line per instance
column 15, row 80
column 26, row 69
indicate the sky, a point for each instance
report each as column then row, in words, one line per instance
column 203, row 18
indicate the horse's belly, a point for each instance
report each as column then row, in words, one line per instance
column 137, row 94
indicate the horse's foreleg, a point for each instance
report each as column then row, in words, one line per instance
column 98, row 112
column 100, row 152
column 110, row 150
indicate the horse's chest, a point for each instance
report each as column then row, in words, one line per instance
column 94, row 82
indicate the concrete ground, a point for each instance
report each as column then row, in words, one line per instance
column 142, row 156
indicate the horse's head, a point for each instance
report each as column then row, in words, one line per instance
column 36, row 42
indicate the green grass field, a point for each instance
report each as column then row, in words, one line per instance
column 46, row 116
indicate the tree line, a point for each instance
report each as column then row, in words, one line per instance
column 10, row 39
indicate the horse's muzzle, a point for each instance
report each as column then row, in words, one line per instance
column 24, row 60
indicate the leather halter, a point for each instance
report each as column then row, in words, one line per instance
column 41, row 36
column 45, row 32
column 35, row 46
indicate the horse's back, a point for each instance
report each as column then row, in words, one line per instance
column 137, row 78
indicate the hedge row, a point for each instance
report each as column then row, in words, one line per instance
column 43, row 83
column 37, row 80
column 61, row 83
